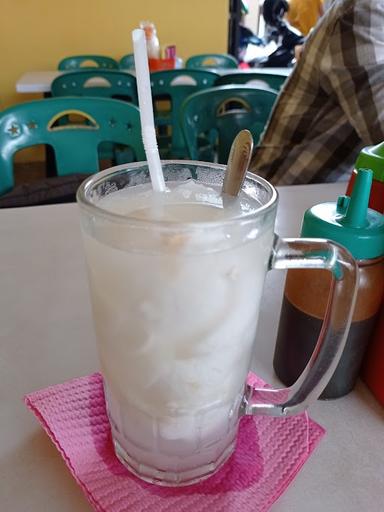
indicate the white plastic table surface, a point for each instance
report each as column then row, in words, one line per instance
column 46, row 337
column 40, row 81
column 36, row 81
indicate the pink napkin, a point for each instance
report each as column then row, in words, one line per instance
column 269, row 453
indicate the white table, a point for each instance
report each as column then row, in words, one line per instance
column 40, row 81
column 46, row 337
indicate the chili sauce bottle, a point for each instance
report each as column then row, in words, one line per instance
column 371, row 157
column 372, row 371
column 351, row 223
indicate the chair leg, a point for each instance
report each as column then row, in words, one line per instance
column 50, row 160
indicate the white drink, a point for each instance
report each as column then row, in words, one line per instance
column 175, row 308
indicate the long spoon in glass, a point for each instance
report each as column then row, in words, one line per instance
column 238, row 163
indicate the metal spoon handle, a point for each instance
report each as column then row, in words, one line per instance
column 238, row 162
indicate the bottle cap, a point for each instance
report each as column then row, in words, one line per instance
column 372, row 157
column 349, row 221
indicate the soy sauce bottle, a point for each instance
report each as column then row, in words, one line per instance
column 351, row 223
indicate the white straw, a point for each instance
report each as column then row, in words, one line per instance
column 146, row 110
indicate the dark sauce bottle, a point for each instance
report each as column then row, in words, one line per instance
column 361, row 230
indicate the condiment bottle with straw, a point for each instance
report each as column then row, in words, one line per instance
column 352, row 224
column 148, row 131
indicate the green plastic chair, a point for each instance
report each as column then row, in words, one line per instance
column 87, row 61
column 170, row 88
column 88, row 122
column 107, row 83
column 127, row 61
column 217, row 114
column 212, row 60
column 275, row 82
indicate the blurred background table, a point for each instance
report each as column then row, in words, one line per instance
column 40, row 81
column 36, row 81
column 46, row 337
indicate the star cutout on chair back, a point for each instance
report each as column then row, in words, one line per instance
column 14, row 130
column 32, row 125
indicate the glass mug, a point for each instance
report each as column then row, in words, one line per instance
column 175, row 307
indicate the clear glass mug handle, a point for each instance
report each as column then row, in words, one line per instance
column 289, row 253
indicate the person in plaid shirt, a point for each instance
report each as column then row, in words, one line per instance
column 332, row 105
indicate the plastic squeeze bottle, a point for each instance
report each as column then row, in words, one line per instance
column 351, row 223
column 372, row 371
column 153, row 44
column 371, row 157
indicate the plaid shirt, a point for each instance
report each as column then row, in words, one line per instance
column 333, row 103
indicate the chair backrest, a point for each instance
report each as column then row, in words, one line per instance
column 175, row 85
column 88, row 61
column 212, row 60
column 108, row 83
column 73, row 127
column 127, row 61
column 253, row 78
column 217, row 114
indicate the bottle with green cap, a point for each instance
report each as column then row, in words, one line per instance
column 371, row 157
column 360, row 229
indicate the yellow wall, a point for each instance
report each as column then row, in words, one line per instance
column 36, row 34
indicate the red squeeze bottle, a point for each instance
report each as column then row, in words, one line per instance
column 372, row 372
column 371, row 157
